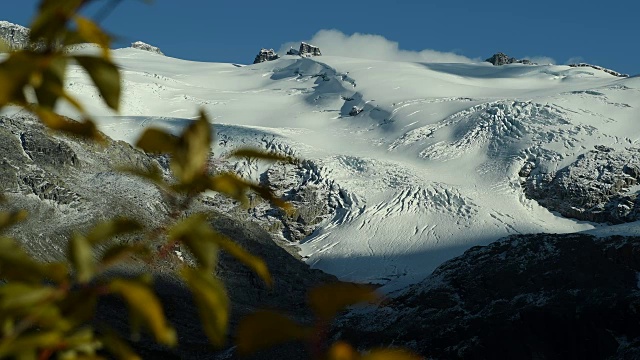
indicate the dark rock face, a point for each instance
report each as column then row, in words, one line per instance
column 525, row 297
column 608, row 71
column 146, row 47
column 596, row 187
column 266, row 55
column 309, row 50
column 500, row 59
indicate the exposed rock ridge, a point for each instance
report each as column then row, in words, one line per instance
column 266, row 55
column 608, row 71
column 15, row 36
column 600, row 186
column 146, row 47
column 524, row 297
column 500, row 59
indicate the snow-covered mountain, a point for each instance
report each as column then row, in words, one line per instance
column 431, row 165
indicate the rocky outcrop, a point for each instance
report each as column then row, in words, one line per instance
column 500, row 59
column 266, row 55
column 598, row 186
column 608, row 71
column 67, row 184
column 525, row 297
column 309, row 50
column 146, row 47
column 15, row 36
column 305, row 50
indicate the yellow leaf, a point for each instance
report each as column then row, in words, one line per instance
column 196, row 233
column 144, row 303
column 42, row 340
column 192, row 153
column 50, row 86
column 231, row 186
column 118, row 347
column 16, row 264
column 157, row 141
column 153, row 175
column 121, row 252
column 8, row 219
column 18, row 295
column 258, row 154
column 15, row 74
column 109, row 229
column 342, row 351
column 327, row 300
column 264, row 329
column 92, row 33
column 81, row 256
column 52, row 18
column 86, row 129
column 105, row 76
column 212, row 302
column 390, row 354
column 253, row 262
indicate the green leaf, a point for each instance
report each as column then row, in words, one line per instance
column 144, row 303
column 81, row 257
column 105, row 76
column 329, row 299
column 192, row 153
column 8, row 219
column 196, row 233
column 107, row 230
column 157, row 141
column 258, row 154
column 212, row 302
column 264, row 329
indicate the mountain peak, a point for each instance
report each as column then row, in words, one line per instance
column 14, row 35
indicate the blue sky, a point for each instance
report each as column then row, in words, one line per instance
column 603, row 33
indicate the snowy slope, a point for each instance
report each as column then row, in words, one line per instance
column 428, row 169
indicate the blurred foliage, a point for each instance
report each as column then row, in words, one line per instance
column 47, row 309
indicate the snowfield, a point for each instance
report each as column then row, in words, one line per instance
column 428, row 169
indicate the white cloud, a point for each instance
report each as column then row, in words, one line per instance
column 376, row 47
column 575, row 60
column 542, row 60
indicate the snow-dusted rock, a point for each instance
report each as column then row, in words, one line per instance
column 144, row 46
column 67, row 184
column 500, row 59
column 608, row 71
column 15, row 36
column 309, row 50
column 265, row 55
column 524, row 297
column 599, row 186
